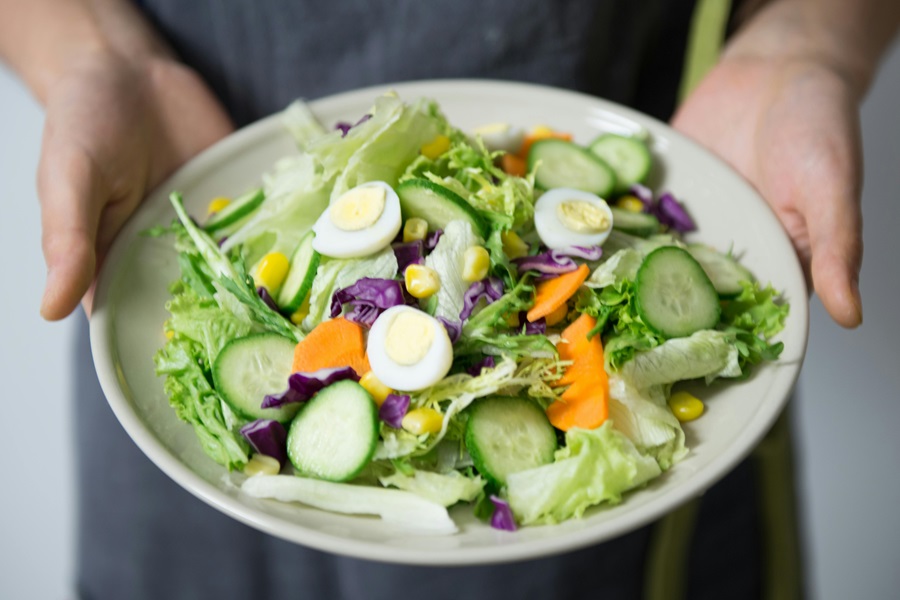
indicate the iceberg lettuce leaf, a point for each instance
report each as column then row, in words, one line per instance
column 645, row 418
column 595, row 466
column 444, row 488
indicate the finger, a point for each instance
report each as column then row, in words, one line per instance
column 70, row 192
column 836, row 258
column 834, row 222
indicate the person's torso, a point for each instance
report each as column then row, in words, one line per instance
column 258, row 56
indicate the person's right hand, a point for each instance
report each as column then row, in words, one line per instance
column 113, row 131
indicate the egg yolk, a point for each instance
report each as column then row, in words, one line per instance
column 582, row 217
column 409, row 337
column 358, row 209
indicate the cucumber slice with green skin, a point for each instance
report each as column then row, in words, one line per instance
column 725, row 273
column 334, row 435
column 675, row 297
column 249, row 368
column 238, row 210
column 299, row 280
column 505, row 435
column 629, row 157
column 437, row 205
column 564, row 164
column 639, row 224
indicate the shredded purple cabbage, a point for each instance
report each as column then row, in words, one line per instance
column 671, row 212
column 503, row 517
column 488, row 362
column 410, row 253
column 552, row 262
column 267, row 298
column 433, row 238
column 583, row 252
column 557, row 262
column 644, row 194
column 368, row 298
column 667, row 209
column 489, row 289
column 394, row 409
column 221, row 242
column 454, row 328
column 344, row 127
column 267, row 437
column 303, row 386
column 537, row 327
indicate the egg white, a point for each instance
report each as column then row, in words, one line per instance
column 553, row 232
column 333, row 241
column 433, row 367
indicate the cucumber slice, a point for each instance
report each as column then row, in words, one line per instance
column 299, row 280
column 334, row 436
column 640, row 224
column 237, row 211
column 629, row 157
column 437, row 205
column 505, row 435
column 564, row 164
column 249, row 368
column 674, row 295
column 725, row 273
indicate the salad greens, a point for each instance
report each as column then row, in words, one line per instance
column 506, row 334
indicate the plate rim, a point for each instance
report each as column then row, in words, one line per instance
column 104, row 353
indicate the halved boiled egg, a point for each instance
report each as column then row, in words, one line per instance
column 359, row 223
column 408, row 349
column 565, row 217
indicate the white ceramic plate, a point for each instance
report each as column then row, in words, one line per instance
column 126, row 327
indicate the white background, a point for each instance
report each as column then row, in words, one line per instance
column 848, row 411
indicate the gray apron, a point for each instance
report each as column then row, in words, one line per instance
column 140, row 536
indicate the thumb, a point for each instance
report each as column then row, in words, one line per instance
column 71, row 197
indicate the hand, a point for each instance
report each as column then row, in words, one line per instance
column 113, row 131
column 792, row 129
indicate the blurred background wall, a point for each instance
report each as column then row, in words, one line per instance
column 848, row 411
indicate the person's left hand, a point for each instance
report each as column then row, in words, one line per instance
column 792, row 129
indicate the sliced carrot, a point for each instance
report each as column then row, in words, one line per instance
column 553, row 293
column 334, row 343
column 540, row 134
column 585, row 403
column 513, row 165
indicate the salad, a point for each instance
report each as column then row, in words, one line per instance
column 405, row 316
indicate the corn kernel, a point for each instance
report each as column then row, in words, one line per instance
column 169, row 334
column 476, row 264
column 436, row 147
column 630, row 203
column 414, row 229
column 423, row 420
column 557, row 315
column 261, row 464
column 376, row 389
column 217, row 204
column 271, row 271
column 421, row 281
column 301, row 312
column 512, row 319
column 541, row 131
column 513, row 245
column 685, row 406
